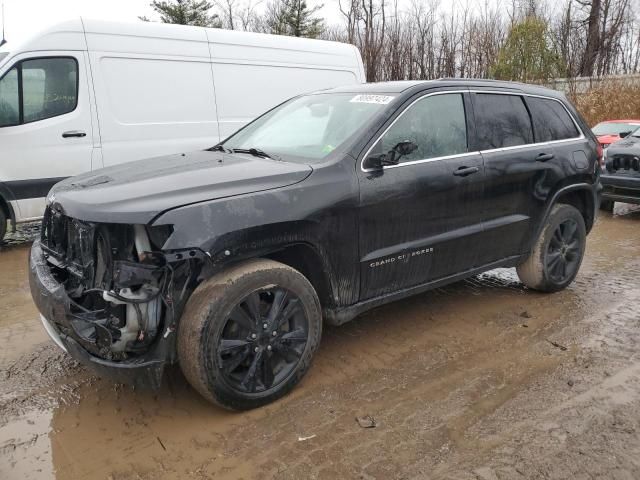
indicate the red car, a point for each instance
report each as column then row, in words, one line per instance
column 611, row 131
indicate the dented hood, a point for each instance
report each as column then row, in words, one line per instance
column 137, row 192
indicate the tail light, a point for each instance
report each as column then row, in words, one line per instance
column 600, row 153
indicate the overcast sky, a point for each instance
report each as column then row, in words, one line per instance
column 24, row 17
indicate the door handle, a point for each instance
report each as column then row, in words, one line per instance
column 544, row 157
column 74, row 133
column 464, row 171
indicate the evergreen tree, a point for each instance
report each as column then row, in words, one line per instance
column 185, row 12
column 294, row 18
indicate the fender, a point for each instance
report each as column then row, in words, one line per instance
column 592, row 188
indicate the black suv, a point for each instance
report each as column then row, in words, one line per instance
column 621, row 181
column 227, row 260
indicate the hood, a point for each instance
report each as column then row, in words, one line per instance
column 629, row 145
column 137, row 192
column 608, row 139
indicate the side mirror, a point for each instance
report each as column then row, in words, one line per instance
column 405, row 148
column 624, row 134
column 392, row 157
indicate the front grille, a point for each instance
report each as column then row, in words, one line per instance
column 623, row 162
column 69, row 246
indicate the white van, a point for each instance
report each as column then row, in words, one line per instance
column 86, row 94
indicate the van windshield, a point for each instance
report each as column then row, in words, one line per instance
column 311, row 126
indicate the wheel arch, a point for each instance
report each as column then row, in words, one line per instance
column 305, row 258
column 298, row 253
column 582, row 199
column 5, row 205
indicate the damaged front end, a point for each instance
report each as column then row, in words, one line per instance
column 110, row 295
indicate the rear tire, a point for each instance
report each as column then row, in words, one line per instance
column 3, row 224
column 248, row 334
column 557, row 254
column 607, row 205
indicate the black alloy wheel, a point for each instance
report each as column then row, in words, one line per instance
column 263, row 340
column 564, row 252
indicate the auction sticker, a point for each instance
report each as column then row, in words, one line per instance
column 378, row 99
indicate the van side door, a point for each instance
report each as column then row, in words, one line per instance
column 419, row 220
column 45, row 126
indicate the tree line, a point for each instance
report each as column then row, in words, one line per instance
column 526, row 40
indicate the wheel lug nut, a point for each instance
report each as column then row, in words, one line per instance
column 256, row 349
column 269, row 347
column 274, row 333
column 254, row 336
column 264, row 325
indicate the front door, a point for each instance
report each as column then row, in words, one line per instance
column 419, row 219
column 45, row 126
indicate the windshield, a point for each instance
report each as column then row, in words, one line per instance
column 311, row 126
column 611, row 128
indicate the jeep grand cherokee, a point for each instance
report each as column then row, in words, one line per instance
column 226, row 261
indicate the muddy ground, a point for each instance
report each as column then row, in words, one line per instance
column 480, row 380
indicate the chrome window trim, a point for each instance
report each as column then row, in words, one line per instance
column 476, row 152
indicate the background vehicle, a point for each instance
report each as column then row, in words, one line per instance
column 99, row 93
column 621, row 180
column 611, row 131
column 330, row 204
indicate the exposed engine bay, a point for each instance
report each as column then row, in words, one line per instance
column 124, row 291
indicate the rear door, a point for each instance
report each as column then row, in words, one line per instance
column 556, row 129
column 516, row 169
column 420, row 219
column 45, row 126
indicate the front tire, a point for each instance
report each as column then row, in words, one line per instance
column 558, row 252
column 248, row 334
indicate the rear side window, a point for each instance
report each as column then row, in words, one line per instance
column 501, row 121
column 37, row 89
column 551, row 120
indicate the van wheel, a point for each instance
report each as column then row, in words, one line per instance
column 607, row 205
column 248, row 334
column 557, row 254
column 3, row 224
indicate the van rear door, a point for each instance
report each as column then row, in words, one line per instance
column 45, row 126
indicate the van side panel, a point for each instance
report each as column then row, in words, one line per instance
column 255, row 72
column 154, row 93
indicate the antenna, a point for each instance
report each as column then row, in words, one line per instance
column 3, row 41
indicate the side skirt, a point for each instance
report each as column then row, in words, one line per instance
column 339, row 316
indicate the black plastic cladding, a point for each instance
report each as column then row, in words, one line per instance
column 425, row 225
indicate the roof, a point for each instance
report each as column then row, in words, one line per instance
column 417, row 85
column 620, row 121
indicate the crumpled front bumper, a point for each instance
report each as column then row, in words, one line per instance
column 55, row 307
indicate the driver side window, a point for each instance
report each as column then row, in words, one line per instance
column 436, row 124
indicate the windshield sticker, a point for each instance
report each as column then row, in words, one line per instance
column 378, row 99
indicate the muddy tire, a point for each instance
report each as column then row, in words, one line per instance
column 607, row 205
column 248, row 334
column 3, row 224
column 557, row 254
